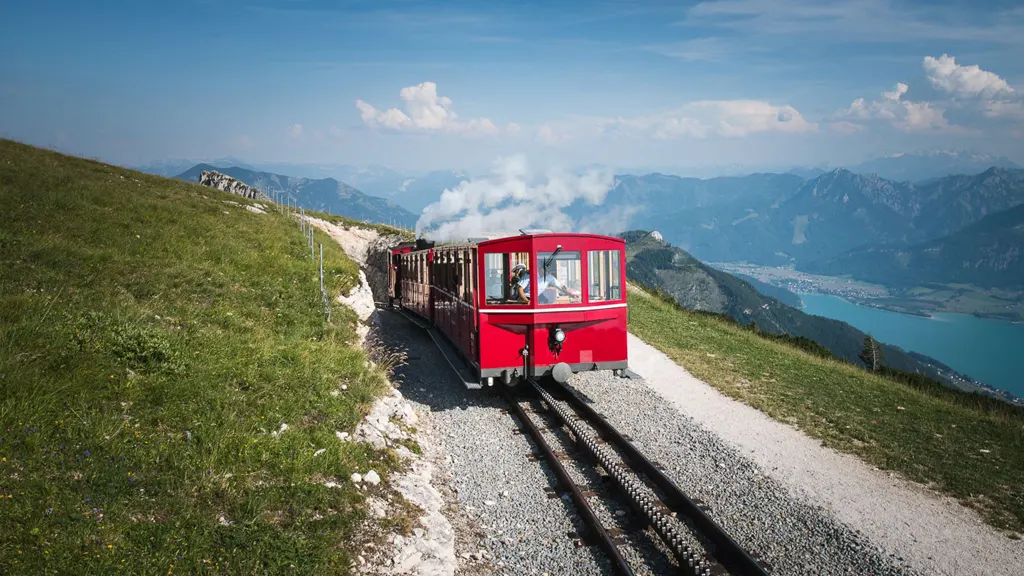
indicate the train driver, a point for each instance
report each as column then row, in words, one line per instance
column 520, row 283
column 552, row 288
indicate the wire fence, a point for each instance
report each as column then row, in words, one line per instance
column 290, row 208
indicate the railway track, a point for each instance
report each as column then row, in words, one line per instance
column 696, row 543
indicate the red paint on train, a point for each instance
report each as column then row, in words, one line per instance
column 575, row 320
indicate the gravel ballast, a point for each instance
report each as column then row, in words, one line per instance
column 505, row 492
column 500, row 488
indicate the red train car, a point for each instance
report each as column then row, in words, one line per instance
column 395, row 285
column 480, row 296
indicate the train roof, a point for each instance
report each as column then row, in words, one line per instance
column 497, row 238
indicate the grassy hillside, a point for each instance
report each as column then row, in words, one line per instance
column 152, row 339
column 973, row 451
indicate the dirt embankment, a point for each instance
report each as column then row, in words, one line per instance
column 393, row 424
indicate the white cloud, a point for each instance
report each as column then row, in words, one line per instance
column 546, row 135
column 697, row 120
column 513, row 128
column 701, row 119
column 699, row 49
column 964, row 81
column 969, row 91
column 1005, row 109
column 905, row 115
column 844, row 127
column 509, row 200
column 974, row 89
column 295, row 130
column 425, row 111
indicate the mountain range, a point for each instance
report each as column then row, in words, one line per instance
column 416, row 189
column 411, row 190
column 324, row 194
column 782, row 219
column 652, row 262
column 925, row 165
column 987, row 253
column 832, row 222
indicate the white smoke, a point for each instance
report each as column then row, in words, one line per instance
column 509, row 200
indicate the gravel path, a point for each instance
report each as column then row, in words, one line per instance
column 936, row 535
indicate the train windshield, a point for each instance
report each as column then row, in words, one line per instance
column 558, row 278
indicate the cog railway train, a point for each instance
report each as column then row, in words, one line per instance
column 530, row 306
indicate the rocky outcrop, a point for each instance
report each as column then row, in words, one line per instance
column 378, row 261
column 215, row 179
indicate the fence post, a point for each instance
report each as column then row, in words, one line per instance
column 323, row 286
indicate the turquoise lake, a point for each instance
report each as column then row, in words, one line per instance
column 991, row 351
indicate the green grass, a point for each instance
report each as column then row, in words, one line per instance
column 969, row 452
column 152, row 337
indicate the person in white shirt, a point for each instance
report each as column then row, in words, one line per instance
column 551, row 287
column 520, row 283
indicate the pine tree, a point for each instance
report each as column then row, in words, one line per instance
column 871, row 354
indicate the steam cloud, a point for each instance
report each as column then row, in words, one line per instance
column 508, row 201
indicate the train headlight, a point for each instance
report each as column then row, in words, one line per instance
column 559, row 335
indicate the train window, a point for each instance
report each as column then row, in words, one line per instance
column 558, row 278
column 498, row 282
column 605, row 275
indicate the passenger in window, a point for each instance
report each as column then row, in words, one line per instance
column 520, row 283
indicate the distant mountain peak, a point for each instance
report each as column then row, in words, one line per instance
column 925, row 165
column 324, row 194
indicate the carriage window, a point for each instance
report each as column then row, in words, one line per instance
column 558, row 278
column 498, row 281
column 605, row 275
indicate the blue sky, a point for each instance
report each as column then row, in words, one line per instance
column 421, row 84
